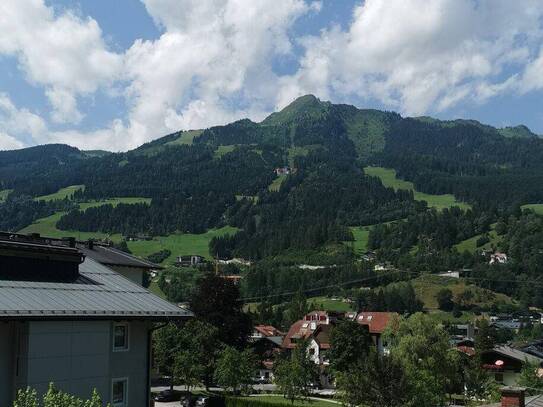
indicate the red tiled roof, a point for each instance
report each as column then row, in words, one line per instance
column 376, row 321
column 268, row 330
column 295, row 331
column 468, row 350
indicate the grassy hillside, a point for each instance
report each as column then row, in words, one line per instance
column 428, row 286
column 47, row 226
column 389, row 179
column 186, row 137
column 276, row 184
column 179, row 244
column 471, row 244
column 61, row 193
column 4, row 194
column 360, row 234
column 537, row 208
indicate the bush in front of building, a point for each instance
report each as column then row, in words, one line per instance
column 55, row 398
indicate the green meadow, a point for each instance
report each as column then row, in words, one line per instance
column 61, row 193
column 48, row 226
column 389, row 179
column 179, row 244
column 537, row 208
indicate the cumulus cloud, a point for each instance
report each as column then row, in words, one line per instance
column 213, row 61
column 63, row 53
column 417, row 55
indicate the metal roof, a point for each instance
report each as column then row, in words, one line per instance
column 516, row 354
column 111, row 256
column 108, row 296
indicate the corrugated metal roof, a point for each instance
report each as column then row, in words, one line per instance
column 112, row 295
column 517, row 354
column 111, row 256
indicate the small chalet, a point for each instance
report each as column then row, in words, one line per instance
column 498, row 258
column 506, row 363
column 192, row 260
column 266, row 342
column 282, row 171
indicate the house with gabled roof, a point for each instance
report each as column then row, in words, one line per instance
column 66, row 318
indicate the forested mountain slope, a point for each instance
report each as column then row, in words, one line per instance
column 202, row 179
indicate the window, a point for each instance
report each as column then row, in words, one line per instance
column 119, row 390
column 120, row 337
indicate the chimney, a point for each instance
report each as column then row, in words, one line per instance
column 513, row 396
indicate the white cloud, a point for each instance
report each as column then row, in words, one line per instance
column 9, row 143
column 63, row 53
column 213, row 57
column 19, row 124
column 419, row 55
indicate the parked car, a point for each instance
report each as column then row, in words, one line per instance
column 168, row 395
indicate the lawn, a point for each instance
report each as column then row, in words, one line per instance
column 4, row 194
column 186, row 137
column 278, row 399
column 48, row 226
column 470, row 244
column 276, row 184
column 360, row 234
column 389, row 179
column 537, row 208
column 61, row 193
column 329, row 304
column 428, row 286
column 179, row 244
column 222, row 150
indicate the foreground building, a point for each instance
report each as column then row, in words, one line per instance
column 68, row 319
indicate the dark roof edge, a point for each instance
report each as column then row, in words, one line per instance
column 157, row 318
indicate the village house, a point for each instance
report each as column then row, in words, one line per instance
column 192, row 260
column 512, row 396
column 498, row 258
column 266, row 342
column 282, row 171
column 60, row 310
column 315, row 328
column 506, row 363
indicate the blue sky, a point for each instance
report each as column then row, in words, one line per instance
column 116, row 74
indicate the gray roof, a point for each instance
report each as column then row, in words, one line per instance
column 517, row 354
column 107, row 296
column 113, row 257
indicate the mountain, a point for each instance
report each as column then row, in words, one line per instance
column 226, row 175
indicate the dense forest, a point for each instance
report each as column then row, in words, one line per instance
column 225, row 175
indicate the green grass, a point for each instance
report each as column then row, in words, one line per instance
column 329, row 304
column 428, row 286
column 278, row 399
column 361, row 235
column 48, row 226
column 61, row 193
column 4, row 194
column 470, row 244
column 186, row 137
column 537, row 208
column 179, row 244
column 222, row 150
column 389, row 179
column 277, row 182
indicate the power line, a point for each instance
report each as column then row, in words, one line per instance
column 533, row 283
column 248, row 299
